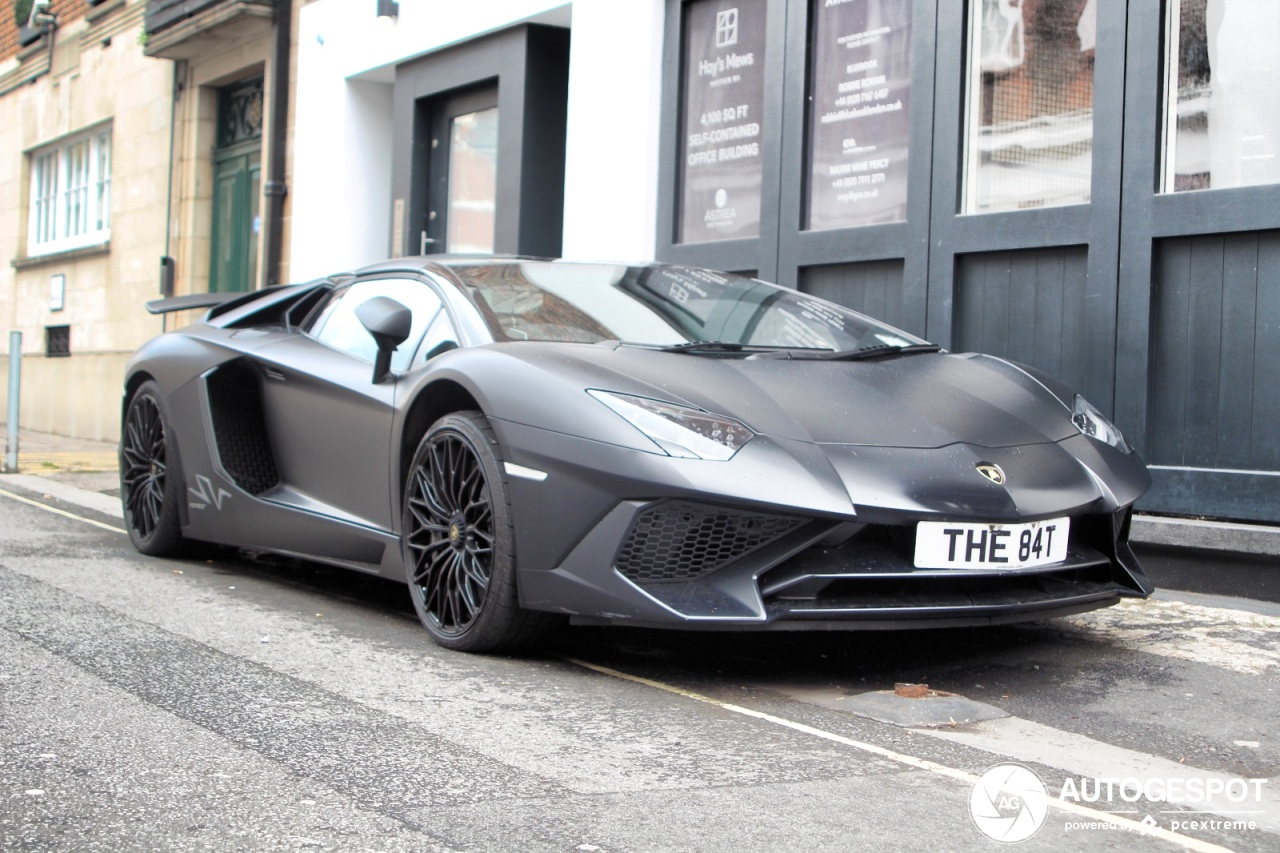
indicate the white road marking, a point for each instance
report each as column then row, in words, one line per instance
column 1077, row 754
column 61, row 512
column 1083, row 812
column 95, row 501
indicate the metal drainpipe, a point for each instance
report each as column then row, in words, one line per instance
column 275, row 189
column 167, row 264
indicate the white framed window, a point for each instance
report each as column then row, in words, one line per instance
column 71, row 193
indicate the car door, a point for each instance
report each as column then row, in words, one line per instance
column 330, row 424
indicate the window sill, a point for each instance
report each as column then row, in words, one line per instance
column 99, row 9
column 61, row 257
column 31, row 42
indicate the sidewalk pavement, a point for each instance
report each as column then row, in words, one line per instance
column 88, row 464
column 92, row 465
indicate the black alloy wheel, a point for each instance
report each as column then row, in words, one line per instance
column 458, row 541
column 148, row 488
column 453, row 544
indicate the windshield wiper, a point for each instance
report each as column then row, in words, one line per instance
column 764, row 351
column 878, row 351
column 715, row 346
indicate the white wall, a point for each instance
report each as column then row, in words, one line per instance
column 341, row 183
column 611, row 161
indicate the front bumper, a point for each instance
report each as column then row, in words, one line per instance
column 778, row 539
column 691, row 565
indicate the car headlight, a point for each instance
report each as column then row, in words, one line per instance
column 678, row 430
column 1094, row 424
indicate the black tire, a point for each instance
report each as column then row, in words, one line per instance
column 458, row 543
column 149, row 483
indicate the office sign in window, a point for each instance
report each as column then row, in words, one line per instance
column 859, row 112
column 723, row 80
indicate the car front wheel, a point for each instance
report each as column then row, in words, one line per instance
column 458, row 542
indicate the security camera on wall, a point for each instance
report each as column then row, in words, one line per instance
column 42, row 18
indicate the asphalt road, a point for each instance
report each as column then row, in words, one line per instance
column 256, row 704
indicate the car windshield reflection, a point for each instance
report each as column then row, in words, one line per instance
column 665, row 306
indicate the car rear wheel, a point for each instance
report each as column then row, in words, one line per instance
column 148, row 485
column 458, row 542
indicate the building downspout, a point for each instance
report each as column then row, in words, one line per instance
column 274, row 188
column 168, row 267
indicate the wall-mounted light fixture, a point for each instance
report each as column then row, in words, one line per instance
column 167, row 269
column 40, row 22
column 42, row 17
column 389, row 9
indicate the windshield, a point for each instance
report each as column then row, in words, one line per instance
column 663, row 306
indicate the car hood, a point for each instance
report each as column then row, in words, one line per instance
column 923, row 400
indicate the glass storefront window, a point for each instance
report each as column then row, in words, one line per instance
column 1029, row 122
column 1222, row 122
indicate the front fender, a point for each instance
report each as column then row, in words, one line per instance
column 539, row 390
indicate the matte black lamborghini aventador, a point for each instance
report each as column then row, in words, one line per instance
column 522, row 440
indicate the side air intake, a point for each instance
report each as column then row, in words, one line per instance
column 240, row 428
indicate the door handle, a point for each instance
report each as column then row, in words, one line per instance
column 422, row 249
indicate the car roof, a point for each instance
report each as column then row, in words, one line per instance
column 448, row 262
column 434, row 263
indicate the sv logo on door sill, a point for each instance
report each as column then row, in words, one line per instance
column 205, row 494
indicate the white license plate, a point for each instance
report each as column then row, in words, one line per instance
column 947, row 545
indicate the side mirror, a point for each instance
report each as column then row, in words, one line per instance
column 388, row 322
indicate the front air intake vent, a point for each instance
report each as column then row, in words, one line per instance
column 680, row 540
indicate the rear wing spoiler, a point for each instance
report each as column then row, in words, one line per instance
column 193, row 300
column 275, row 304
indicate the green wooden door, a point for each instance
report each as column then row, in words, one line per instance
column 237, row 190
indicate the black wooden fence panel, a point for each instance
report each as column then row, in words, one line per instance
column 1215, row 352
column 1028, row 306
column 872, row 287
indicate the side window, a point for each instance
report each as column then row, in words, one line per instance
column 337, row 325
column 440, row 338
